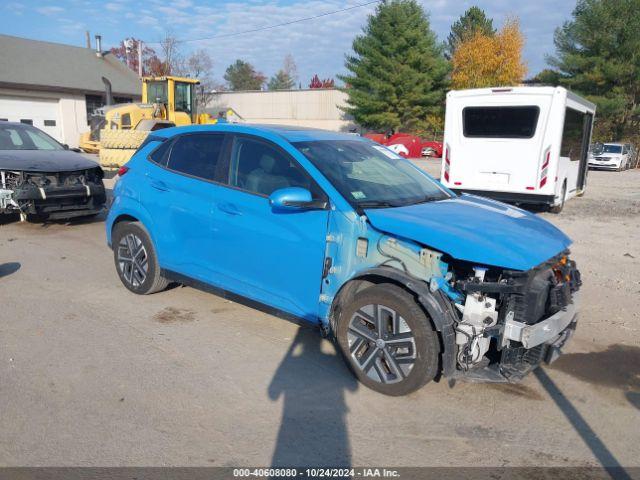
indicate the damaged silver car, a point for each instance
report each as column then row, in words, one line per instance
column 44, row 180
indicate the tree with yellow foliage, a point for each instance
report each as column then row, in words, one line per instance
column 490, row 61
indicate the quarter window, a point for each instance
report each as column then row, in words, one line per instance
column 161, row 153
column 500, row 122
column 196, row 155
column 260, row 168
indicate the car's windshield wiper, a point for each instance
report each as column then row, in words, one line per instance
column 428, row 198
column 377, row 204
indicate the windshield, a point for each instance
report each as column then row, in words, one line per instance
column 157, row 92
column 369, row 175
column 611, row 148
column 19, row 137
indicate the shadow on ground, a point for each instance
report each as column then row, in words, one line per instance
column 598, row 448
column 312, row 384
column 616, row 367
column 9, row 268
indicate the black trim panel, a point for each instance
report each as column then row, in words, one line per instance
column 509, row 197
column 241, row 299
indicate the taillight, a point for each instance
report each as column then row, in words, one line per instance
column 122, row 170
column 447, row 162
column 545, row 167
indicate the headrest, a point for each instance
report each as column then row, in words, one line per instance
column 267, row 162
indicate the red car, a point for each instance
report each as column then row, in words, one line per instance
column 408, row 146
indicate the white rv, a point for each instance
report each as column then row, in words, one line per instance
column 519, row 145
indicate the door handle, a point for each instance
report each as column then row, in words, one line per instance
column 229, row 208
column 159, row 185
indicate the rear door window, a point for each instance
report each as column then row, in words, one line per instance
column 197, row 155
column 500, row 122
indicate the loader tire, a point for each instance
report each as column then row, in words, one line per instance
column 127, row 139
column 114, row 158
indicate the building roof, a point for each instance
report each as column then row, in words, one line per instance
column 53, row 66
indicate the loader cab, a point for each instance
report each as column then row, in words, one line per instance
column 176, row 94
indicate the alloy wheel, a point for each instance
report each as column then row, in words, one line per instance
column 381, row 344
column 133, row 260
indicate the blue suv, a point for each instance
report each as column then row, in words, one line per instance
column 412, row 281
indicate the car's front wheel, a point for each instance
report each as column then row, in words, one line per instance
column 136, row 260
column 388, row 340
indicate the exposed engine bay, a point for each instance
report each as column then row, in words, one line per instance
column 504, row 322
column 52, row 195
column 510, row 321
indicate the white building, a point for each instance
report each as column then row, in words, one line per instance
column 55, row 87
column 315, row 108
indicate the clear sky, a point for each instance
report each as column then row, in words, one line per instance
column 318, row 46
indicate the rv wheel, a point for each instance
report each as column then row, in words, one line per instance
column 563, row 196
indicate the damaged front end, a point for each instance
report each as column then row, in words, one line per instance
column 511, row 321
column 58, row 195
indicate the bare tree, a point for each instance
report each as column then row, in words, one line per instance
column 172, row 59
column 200, row 65
column 290, row 68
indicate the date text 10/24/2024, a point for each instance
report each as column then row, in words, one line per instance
column 316, row 472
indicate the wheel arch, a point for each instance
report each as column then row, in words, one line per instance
column 435, row 304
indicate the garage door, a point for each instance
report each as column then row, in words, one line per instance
column 42, row 113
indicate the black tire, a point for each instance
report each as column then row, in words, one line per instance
column 416, row 359
column 133, row 237
column 37, row 218
column 558, row 208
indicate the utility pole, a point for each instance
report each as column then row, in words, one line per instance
column 140, row 58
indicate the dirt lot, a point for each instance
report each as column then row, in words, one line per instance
column 93, row 375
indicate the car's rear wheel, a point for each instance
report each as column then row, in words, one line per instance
column 388, row 340
column 135, row 259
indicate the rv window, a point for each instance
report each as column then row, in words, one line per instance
column 573, row 134
column 500, row 122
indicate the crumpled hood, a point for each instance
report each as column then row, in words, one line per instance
column 44, row 161
column 475, row 229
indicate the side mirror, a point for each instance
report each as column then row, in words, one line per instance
column 65, row 146
column 294, row 199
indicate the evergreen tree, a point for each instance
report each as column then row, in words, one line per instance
column 281, row 81
column 472, row 21
column 397, row 71
column 242, row 75
column 285, row 79
column 597, row 56
column 546, row 77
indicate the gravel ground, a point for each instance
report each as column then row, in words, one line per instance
column 91, row 374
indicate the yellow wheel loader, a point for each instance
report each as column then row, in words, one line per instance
column 121, row 129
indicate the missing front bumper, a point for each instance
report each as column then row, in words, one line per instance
column 62, row 202
column 542, row 332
